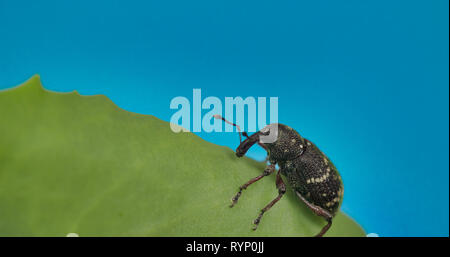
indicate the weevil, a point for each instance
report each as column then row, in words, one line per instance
column 309, row 172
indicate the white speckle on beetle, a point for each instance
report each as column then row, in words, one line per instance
column 72, row 235
column 340, row 192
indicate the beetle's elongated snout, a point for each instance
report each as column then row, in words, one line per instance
column 239, row 153
column 245, row 146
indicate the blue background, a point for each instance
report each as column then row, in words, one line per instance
column 367, row 81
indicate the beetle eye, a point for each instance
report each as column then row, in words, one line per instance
column 265, row 130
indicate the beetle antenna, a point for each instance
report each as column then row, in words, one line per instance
column 219, row 117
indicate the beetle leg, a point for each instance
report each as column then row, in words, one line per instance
column 320, row 212
column 281, row 190
column 267, row 171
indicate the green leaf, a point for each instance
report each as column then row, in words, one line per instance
column 79, row 164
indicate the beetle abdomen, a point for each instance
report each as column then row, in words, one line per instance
column 315, row 177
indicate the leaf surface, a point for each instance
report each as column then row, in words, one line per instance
column 80, row 164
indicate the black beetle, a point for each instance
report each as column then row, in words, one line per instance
column 312, row 176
